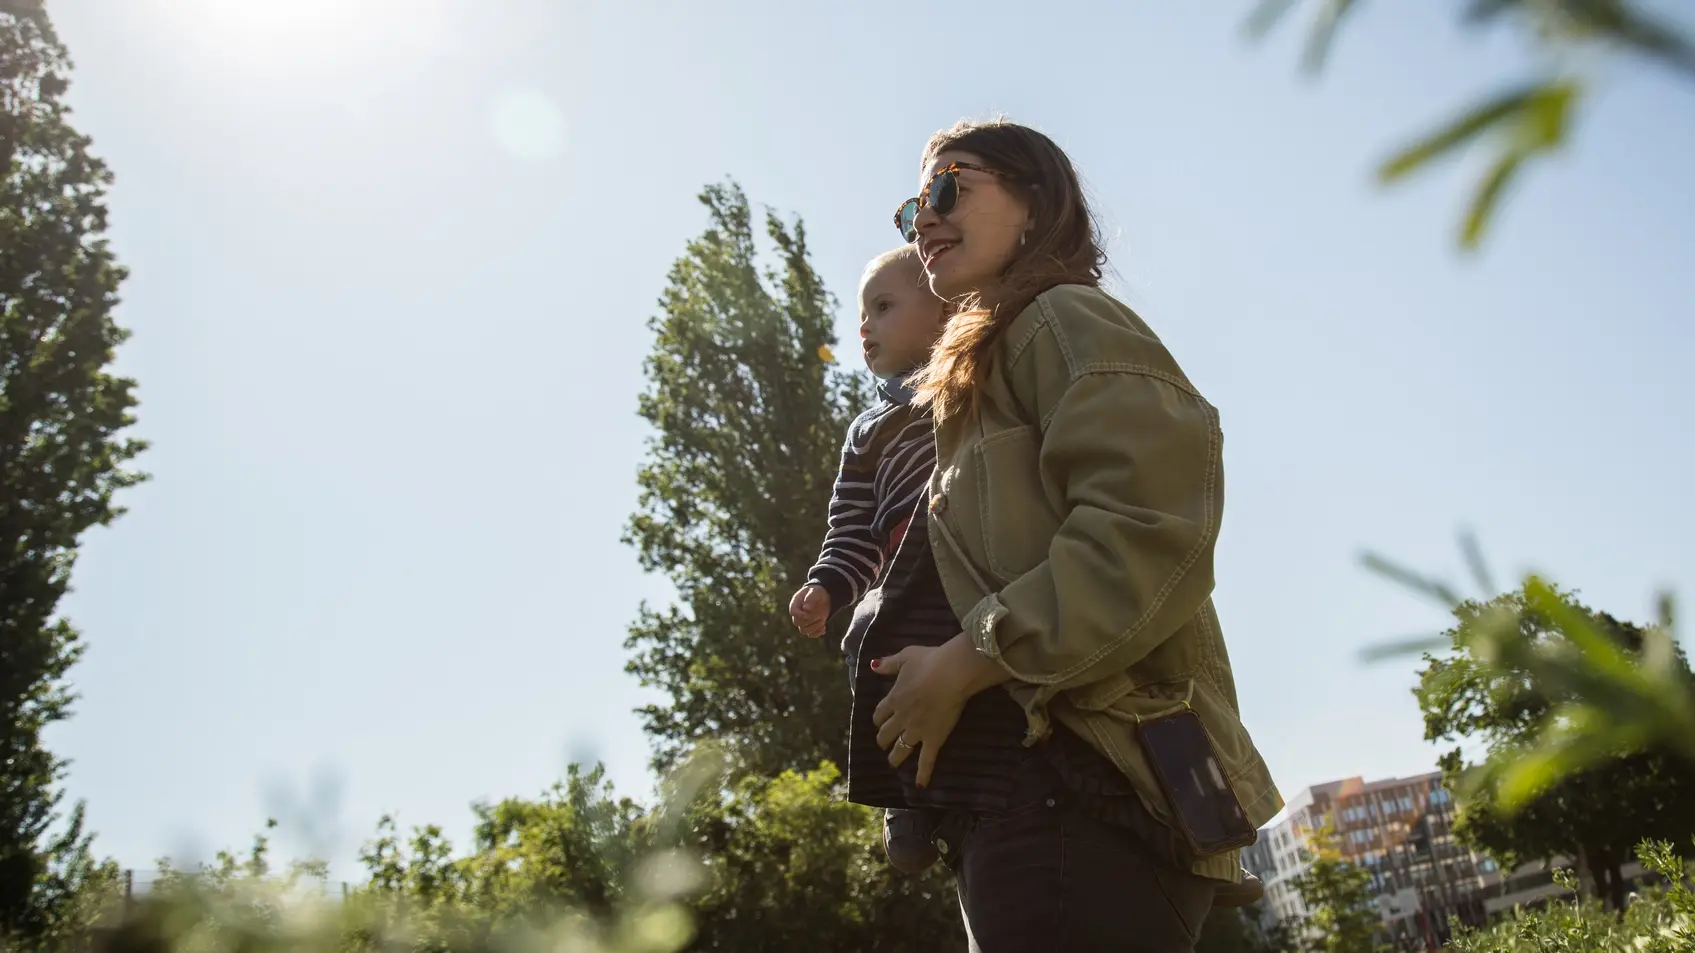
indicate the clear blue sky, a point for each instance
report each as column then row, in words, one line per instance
column 393, row 259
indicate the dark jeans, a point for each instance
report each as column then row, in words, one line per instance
column 1042, row 877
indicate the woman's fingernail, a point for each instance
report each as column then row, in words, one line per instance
column 875, row 663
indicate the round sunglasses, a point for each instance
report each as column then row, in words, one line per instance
column 941, row 194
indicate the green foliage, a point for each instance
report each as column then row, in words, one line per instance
column 61, row 460
column 761, row 863
column 578, row 869
column 233, row 872
column 1606, row 697
column 796, row 867
column 1597, row 809
column 574, row 846
column 578, row 859
column 1524, row 123
column 748, row 422
column 240, row 905
column 1338, row 896
column 1659, row 920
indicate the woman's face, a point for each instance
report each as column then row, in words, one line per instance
column 967, row 249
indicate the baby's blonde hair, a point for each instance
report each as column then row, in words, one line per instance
column 904, row 254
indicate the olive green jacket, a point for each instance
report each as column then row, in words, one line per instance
column 1074, row 514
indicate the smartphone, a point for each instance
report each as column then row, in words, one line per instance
column 1208, row 812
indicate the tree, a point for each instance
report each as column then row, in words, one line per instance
column 758, row 863
column 61, row 457
column 748, row 418
column 1598, row 813
column 1529, row 121
column 1338, row 896
column 573, row 847
column 797, row 867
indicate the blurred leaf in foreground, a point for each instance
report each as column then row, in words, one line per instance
column 1643, row 692
column 1527, row 122
column 1586, row 725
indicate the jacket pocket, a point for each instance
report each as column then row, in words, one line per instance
column 1230, row 738
column 1018, row 524
column 1124, row 700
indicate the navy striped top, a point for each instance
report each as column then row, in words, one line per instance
column 887, row 459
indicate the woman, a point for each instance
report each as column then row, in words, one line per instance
column 1071, row 525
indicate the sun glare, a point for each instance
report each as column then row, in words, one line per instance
column 292, row 31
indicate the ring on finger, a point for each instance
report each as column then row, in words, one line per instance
column 901, row 742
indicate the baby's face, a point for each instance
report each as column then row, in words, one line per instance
column 899, row 318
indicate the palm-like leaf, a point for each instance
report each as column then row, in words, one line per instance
column 1531, row 121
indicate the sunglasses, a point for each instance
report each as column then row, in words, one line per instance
column 941, row 194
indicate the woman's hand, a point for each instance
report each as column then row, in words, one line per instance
column 931, row 688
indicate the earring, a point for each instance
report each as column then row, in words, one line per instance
column 1022, row 237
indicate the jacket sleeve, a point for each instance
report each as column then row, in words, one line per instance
column 1134, row 453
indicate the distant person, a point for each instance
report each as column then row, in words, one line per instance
column 886, row 463
column 1044, row 666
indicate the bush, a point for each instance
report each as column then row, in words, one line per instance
column 724, row 864
column 1659, row 919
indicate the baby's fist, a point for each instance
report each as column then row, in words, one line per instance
column 809, row 610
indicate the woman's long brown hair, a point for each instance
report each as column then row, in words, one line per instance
column 1061, row 247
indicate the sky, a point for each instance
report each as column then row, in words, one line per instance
column 392, row 263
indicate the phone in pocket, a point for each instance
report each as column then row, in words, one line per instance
column 1208, row 812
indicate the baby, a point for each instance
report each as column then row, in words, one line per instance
column 890, row 449
column 886, row 464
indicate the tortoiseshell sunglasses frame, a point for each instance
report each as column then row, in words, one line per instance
column 923, row 198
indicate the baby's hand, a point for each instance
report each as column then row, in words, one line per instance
column 810, row 610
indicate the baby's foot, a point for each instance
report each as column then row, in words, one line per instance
column 909, row 838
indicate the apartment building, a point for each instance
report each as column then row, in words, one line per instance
column 1400, row 830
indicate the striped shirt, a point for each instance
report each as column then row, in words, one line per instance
column 886, row 463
